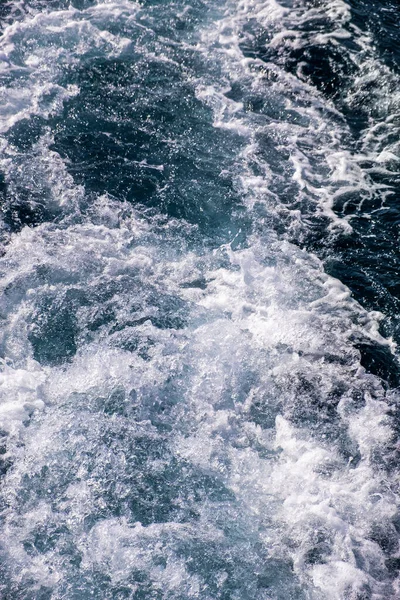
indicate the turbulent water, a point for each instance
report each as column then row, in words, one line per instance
column 200, row 294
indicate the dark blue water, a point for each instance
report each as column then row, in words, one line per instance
column 199, row 300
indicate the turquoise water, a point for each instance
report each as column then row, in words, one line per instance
column 199, row 303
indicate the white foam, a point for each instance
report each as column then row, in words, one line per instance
column 268, row 332
column 41, row 46
column 275, row 321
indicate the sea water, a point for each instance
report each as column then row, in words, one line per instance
column 200, row 295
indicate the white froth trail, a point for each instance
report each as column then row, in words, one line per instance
column 256, row 390
column 322, row 162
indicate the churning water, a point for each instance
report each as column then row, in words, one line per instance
column 200, row 300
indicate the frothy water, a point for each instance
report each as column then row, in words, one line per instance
column 199, row 292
